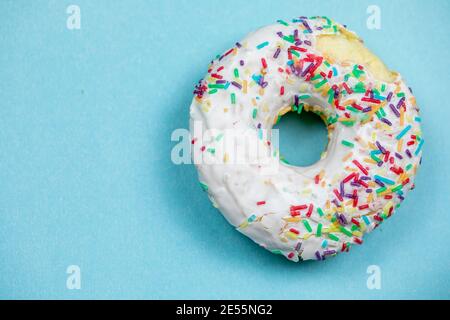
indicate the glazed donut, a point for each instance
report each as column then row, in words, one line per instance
column 373, row 153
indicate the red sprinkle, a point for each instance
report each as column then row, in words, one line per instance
column 355, row 198
column 300, row 207
column 355, row 222
column 349, row 91
column 349, row 177
column 370, row 100
column 361, row 182
column 338, row 195
column 360, row 167
column 310, row 209
column 264, row 63
column 260, row 203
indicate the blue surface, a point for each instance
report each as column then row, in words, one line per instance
column 85, row 171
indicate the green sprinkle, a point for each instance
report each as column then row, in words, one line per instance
column 321, row 83
column 408, row 167
column 330, row 96
column 204, row 186
column 284, row 23
column 378, row 113
column 255, row 112
column 383, row 87
column 307, row 226
column 347, row 143
column 380, row 190
column 353, row 109
column 262, row 45
column 295, row 53
column 319, row 210
column 333, row 237
column 399, row 187
column 215, row 86
column 212, row 91
column 400, row 94
column 233, row 98
column 332, row 120
column 348, row 123
column 211, row 150
column 359, row 88
column 304, row 96
column 236, row 73
column 300, row 108
column 220, row 136
column 319, row 230
column 289, row 39
column 345, row 231
column 374, row 157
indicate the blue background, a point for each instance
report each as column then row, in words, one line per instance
column 86, row 178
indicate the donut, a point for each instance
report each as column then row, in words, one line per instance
column 374, row 138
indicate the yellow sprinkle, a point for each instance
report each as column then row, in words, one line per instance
column 292, row 219
column 291, row 235
column 345, row 119
column 357, row 233
column 387, row 207
column 243, row 224
column 362, row 226
column 402, row 117
column 399, row 145
column 225, row 157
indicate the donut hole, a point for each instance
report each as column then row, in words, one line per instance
column 303, row 138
